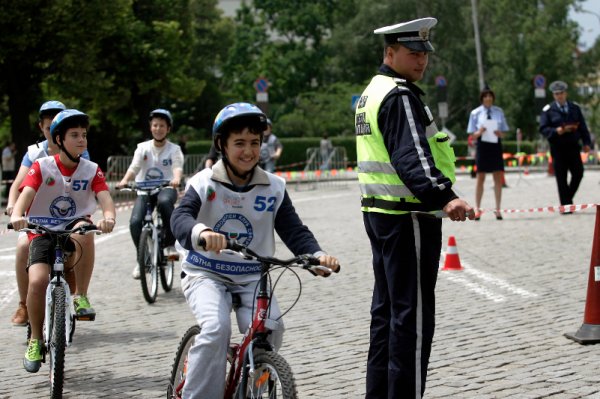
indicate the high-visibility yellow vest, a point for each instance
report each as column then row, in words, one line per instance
column 382, row 189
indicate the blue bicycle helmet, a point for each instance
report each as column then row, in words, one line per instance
column 51, row 108
column 162, row 113
column 233, row 117
column 250, row 113
column 67, row 119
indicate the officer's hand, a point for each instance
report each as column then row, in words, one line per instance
column 586, row 148
column 122, row 184
column 175, row 183
column 459, row 210
column 213, row 241
column 572, row 127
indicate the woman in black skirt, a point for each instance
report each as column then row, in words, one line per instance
column 488, row 125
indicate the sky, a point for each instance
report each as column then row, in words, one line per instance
column 589, row 22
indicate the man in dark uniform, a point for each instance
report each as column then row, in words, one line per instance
column 562, row 123
column 402, row 184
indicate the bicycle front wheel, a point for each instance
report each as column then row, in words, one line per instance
column 273, row 378
column 178, row 373
column 167, row 270
column 148, row 266
column 57, row 342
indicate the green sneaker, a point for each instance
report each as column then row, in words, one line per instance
column 83, row 309
column 33, row 357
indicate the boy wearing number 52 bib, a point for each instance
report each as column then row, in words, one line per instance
column 235, row 199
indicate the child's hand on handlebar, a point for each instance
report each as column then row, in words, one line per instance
column 175, row 183
column 213, row 241
column 106, row 225
column 18, row 222
column 330, row 262
column 122, row 184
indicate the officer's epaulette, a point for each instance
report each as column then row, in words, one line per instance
column 576, row 103
column 400, row 81
column 546, row 107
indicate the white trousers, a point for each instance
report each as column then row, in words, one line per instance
column 211, row 303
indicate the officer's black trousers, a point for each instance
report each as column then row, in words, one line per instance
column 406, row 252
column 567, row 159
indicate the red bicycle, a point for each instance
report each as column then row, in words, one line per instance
column 255, row 370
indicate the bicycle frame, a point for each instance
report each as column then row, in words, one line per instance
column 154, row 223
column 56, row 279
column 155, row 227
column 242, row 355
column 257, row 332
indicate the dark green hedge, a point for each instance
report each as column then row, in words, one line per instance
column 294, row 149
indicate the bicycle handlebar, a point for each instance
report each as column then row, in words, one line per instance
column 135, row 187
column 38, row 228
column 306, row 261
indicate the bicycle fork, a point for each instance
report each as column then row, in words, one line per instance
column 58, row 269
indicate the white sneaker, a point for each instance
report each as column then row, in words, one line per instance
column 136, row 272
column 171, row 253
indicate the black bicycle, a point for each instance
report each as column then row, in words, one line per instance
column 255, row 370
column 60, row 316
column 151, row 258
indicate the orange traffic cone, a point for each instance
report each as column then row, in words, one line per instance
column 452, row 261
column 589, row 332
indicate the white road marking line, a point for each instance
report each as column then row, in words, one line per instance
column 321, row 197
column 6, row 296
column 496, row 282
column 117, row 232
column 479, row 289
column 499, row 282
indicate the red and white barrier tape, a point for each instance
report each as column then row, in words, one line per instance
column 557, row 208
column 124, row 206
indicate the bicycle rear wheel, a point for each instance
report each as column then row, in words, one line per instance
column 179, row 370
column 167, row 270
column 148, row 262
column 57, row 342
column 273, row 378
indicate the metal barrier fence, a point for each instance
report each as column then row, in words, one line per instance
column 323, row 169
column 116, row 166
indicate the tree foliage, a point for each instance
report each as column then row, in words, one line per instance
column 114, row 60
column 118, row 60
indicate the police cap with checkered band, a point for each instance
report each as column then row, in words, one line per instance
column 412, row 34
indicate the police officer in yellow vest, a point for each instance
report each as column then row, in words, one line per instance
column 405, row 172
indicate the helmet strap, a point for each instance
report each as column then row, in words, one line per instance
column 71, row 157
column 233, row 170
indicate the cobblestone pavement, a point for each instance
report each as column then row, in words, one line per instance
column 500, row 326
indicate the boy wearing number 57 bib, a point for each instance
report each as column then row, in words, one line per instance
column 60, row 193
column 235, row 199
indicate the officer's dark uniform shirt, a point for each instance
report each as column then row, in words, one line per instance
column 397, row 134
column 553, row 117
